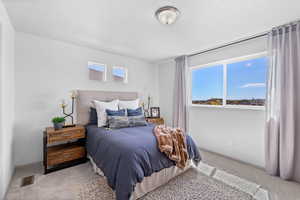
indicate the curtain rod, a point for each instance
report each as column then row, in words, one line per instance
column 240, row 40
column 230, row 43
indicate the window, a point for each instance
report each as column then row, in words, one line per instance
column 119, row 74
column 246, row 82
column 207, row 85
column 236, row 82
column 97, row 71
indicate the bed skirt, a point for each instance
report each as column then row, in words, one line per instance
column 152, row 182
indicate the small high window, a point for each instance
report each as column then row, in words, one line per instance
column 97, row 71
column 120, row 74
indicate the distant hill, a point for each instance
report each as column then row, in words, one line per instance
column 217, row 101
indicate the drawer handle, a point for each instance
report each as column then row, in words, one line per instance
column 67, row 156
column 66, row 135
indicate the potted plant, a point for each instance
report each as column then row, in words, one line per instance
column 58, row 122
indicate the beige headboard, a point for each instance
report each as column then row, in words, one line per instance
column 84, row 98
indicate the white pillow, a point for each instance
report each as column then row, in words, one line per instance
column 134, row 104
column 101, row 110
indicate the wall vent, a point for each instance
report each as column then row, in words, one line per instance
column 28, row 180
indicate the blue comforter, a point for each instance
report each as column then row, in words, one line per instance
column 128, row 155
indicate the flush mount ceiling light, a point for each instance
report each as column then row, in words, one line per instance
column 167, row 14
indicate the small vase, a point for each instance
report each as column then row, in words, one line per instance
column 58, row 126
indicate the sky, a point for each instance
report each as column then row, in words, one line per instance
column 245, row 80
column 97, row 67
column 101, row 68
column 119, row 72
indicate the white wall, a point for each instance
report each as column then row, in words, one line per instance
column 6, row 100
column 236, row 133
column 232, row 132
column 166, row 89
column 46, row 70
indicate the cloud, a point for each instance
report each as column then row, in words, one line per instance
column 253, row 85
column 248, row 64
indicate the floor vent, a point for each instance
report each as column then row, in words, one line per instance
column 28, row 180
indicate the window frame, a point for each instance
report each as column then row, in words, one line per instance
column 224, row 63
column 125, row 70
column 104, row 78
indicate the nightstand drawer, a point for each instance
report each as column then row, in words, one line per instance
column 61, row 154
column 64, row 147
column 65, row 135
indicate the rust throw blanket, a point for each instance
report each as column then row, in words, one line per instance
column 172, row 142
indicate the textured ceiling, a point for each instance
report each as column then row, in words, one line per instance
column 129, row 27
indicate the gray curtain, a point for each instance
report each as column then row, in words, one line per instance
column 283, row 103
column 180, row 107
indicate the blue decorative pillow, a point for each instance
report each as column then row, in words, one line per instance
column 137, row 121
column 115, row 122
column 121, row 112
column 93, row 116
column 135, row 112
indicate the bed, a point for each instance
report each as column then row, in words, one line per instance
column 128, row 157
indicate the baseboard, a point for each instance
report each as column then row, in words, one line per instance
column 231, row 158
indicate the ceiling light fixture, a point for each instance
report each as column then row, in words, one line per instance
column 167, row 14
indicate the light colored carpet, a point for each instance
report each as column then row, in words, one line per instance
column 80, row 183
column 203, row 183
column 190, row 185
column 66, row 184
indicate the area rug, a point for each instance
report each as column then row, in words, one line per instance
column 202, row 183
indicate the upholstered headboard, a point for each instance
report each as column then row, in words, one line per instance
column 84, row 98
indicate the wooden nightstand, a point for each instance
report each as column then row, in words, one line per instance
column 155, row 120
column 64, row 148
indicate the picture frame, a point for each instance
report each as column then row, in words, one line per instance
column 155, row 112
